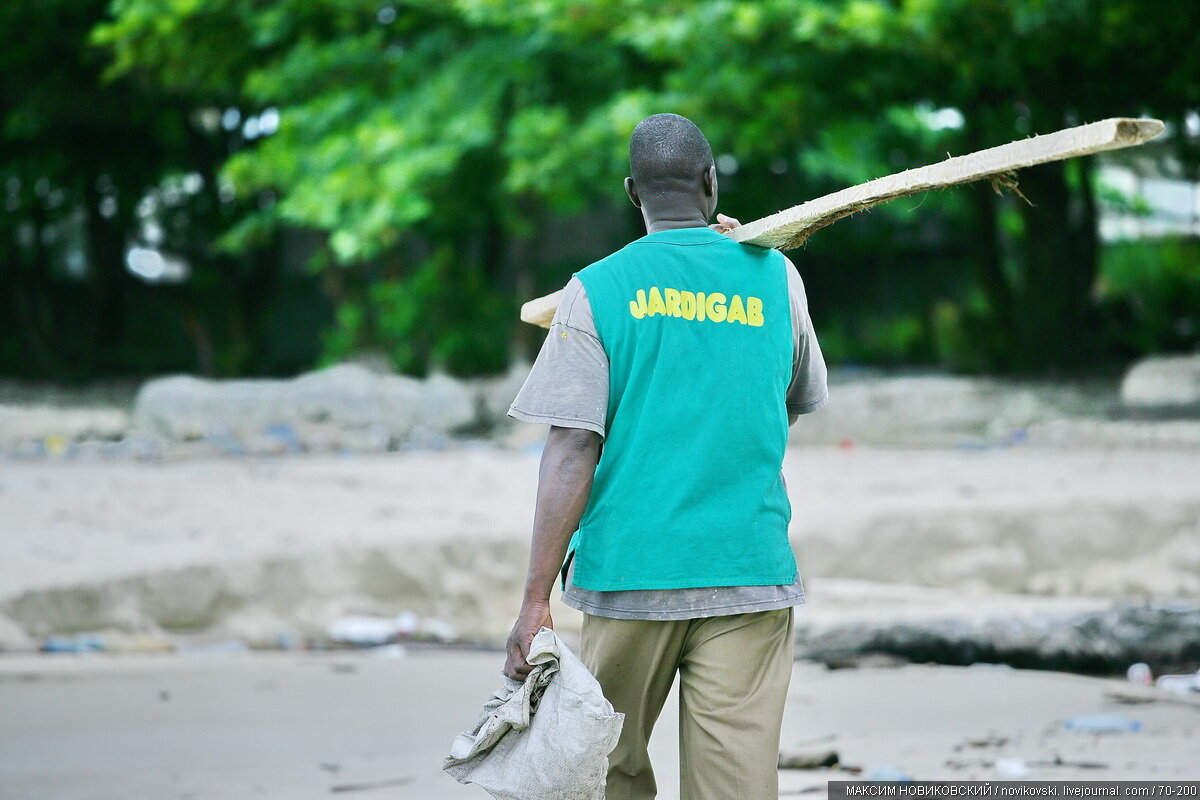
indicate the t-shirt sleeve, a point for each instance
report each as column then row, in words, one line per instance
column 809, row 389
column 568, row 384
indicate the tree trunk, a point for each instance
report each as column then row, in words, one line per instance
column 1058, row 256
column 988, row 262
column 34, row 319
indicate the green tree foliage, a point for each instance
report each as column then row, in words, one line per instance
column 1155, row 289
column 433, row 142
column 463, row 122
column 74, row 157
column 403, row 137
column 88, row 160
column 1031, row 67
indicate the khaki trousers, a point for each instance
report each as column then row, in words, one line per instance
column 733, row 680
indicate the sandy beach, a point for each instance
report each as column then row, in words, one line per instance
column 298, row 726
column 255, row 547
column 223, row 553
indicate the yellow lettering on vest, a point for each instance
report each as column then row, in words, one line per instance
column 654, row 305
column 638, row 307
column 754, row 314
column 668, row 302
column 672, row 298
column 687, row 304
column 737, row 312
column 715, row 308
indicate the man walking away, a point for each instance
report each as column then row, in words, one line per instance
column 669, row 378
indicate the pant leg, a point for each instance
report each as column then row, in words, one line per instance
column 635, row 662
column 733, row 681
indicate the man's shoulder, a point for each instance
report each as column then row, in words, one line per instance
column 574, row 308
column 795, row 282
column 605, row 266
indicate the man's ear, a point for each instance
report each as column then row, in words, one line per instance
column 710, row 180
column 631, row 192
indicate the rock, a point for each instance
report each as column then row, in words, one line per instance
column 1099, row 642
column 345, row 406
column 1163, row 382
column 376, row 361
column 495, row 394
column 934, row 410
column 350, row 396
column 444, row 405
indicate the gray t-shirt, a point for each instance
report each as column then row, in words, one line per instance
column 568, row 387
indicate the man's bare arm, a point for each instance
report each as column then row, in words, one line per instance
column 564, row 483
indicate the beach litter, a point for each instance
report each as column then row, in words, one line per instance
column 1180, row 685
column 407, row 623
column 990, row 740
column 380, row 784
column 1012, row 768
column 1140, row 674
column 814, row 760
column 285, row 435
column 1101, row 723
column 219, row 647
column 362, row 630
column 368, row 630
column 886, row 772
column 1058, row 761
column 225, row 441
column 79, row 643
column 106, row 642
column 388, row 651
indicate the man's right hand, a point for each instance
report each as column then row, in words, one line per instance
column 533, row 617
column 724, row 223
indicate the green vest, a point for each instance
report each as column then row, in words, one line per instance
column 688, row 490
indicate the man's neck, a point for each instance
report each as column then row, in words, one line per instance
column 673, row 221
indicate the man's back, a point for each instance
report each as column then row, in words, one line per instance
column 697, row 330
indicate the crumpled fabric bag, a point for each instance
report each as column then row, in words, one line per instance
column 547, row 738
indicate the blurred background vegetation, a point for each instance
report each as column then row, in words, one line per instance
column 233, row 187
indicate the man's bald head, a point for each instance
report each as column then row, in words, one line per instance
column 667, row 154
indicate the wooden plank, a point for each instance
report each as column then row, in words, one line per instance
column 791, row 227
column 540, row 311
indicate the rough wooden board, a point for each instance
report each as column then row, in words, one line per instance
column 791, row 227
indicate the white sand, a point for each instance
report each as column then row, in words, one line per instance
column 66, row 522
column 253, row 545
